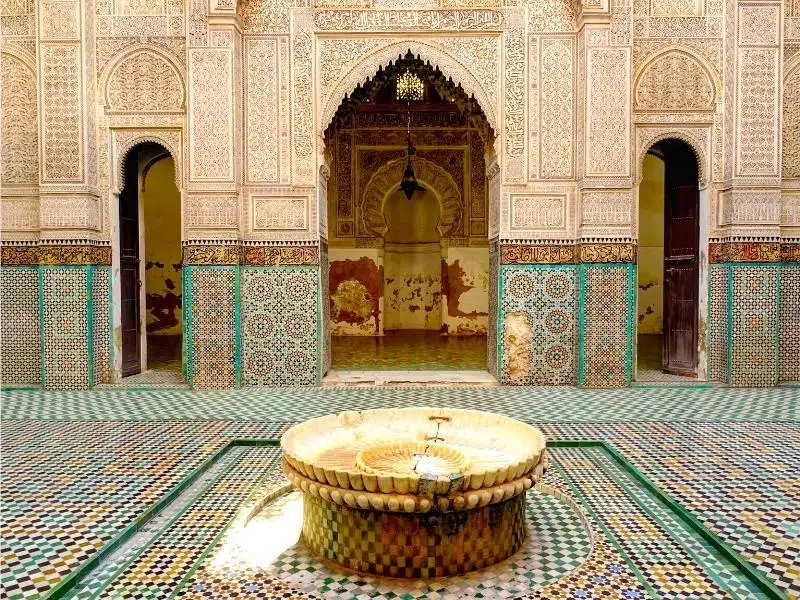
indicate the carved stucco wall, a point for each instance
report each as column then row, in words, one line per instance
column 572, row 108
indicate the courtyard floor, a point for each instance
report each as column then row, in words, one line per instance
column 653, row 492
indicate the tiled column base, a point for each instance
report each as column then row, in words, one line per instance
column 418, row 545
column 605, row 316
column 210, row 323
column 747, row 335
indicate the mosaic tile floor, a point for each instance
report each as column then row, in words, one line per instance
column 648, row 363
column 409, row 351
column 81, row 467
column 164, row 352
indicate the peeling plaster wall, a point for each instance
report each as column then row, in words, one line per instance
column 651, row 247
column 413, row 286
column 161, row 206
column 466, row 291
column 356, row 290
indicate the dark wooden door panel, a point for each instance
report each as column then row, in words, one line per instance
column 681, row 233
column 129, row 270
column 680, row 338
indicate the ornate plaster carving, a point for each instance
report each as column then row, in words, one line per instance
column 360, row 66
column 791, row 123
column 697, row 138
column 143, row 79
column 20, row 133
column 675, row 79
column 122, row 141
column 431, row 176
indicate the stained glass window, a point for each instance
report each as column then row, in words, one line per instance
column 410, row 87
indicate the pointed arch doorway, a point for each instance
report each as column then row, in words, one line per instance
column 409, row 277
column 668, row 263
column 149, row 222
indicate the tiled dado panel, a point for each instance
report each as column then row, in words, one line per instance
column 491, row 331
column 538, row 331
column 324, row 294
column 19, row 326
column 790, row 323
column 605, row 314
column 66, row 342
column 753, row 322
column 101, row 324
column 280, row 325
column 211, row 325
column 717, row 340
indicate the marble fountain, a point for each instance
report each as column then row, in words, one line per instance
column 414, row 492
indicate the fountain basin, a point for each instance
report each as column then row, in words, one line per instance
column 415, row 492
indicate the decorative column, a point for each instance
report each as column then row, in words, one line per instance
column 606, row 244
column 20, row 351
column 745, row 249
column 211, row 254
column 74, row 255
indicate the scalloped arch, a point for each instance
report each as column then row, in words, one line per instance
column 695, row 145
column 675, row 79
column 143, row 78
column 380, row 57
column 123, row 147
column 387, row 179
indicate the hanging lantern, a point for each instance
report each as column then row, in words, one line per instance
column 409, row 183
column 410, row 88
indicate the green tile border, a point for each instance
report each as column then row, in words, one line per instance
column 765, row 585
column 90, row 324
column 69, row 582
column 759, row 580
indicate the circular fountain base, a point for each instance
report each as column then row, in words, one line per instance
column 414, row 545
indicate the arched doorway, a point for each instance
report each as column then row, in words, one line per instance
column 409, row 282
column 150, row 263
column 668, row 262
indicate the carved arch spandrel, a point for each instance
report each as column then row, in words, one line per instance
column 124, row 140
column 387, row 179
column 20, row 129
column 675, row 79
column 369, row 63
column 790, row 150
column 697, row 138
column 143, row 79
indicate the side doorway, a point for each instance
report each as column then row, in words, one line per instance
column 150, row 266
column 130, row 280
column 668, row 263
column 681, row 264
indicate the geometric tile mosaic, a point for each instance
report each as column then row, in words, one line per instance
column 546, row 298
column 212, row 322
column 159, row 570
column 606, row 317
column 558, row 542
column 593, row 532
column 754, row 325
column 790, row 323
column 717, row 336
column 279, row 325
column 65, row 327
column 71, row 483
column 19, row 318
column 101, row 323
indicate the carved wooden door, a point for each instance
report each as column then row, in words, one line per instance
column 129, row 269
column 681, row 231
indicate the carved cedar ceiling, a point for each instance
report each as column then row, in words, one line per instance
column 444, row 87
